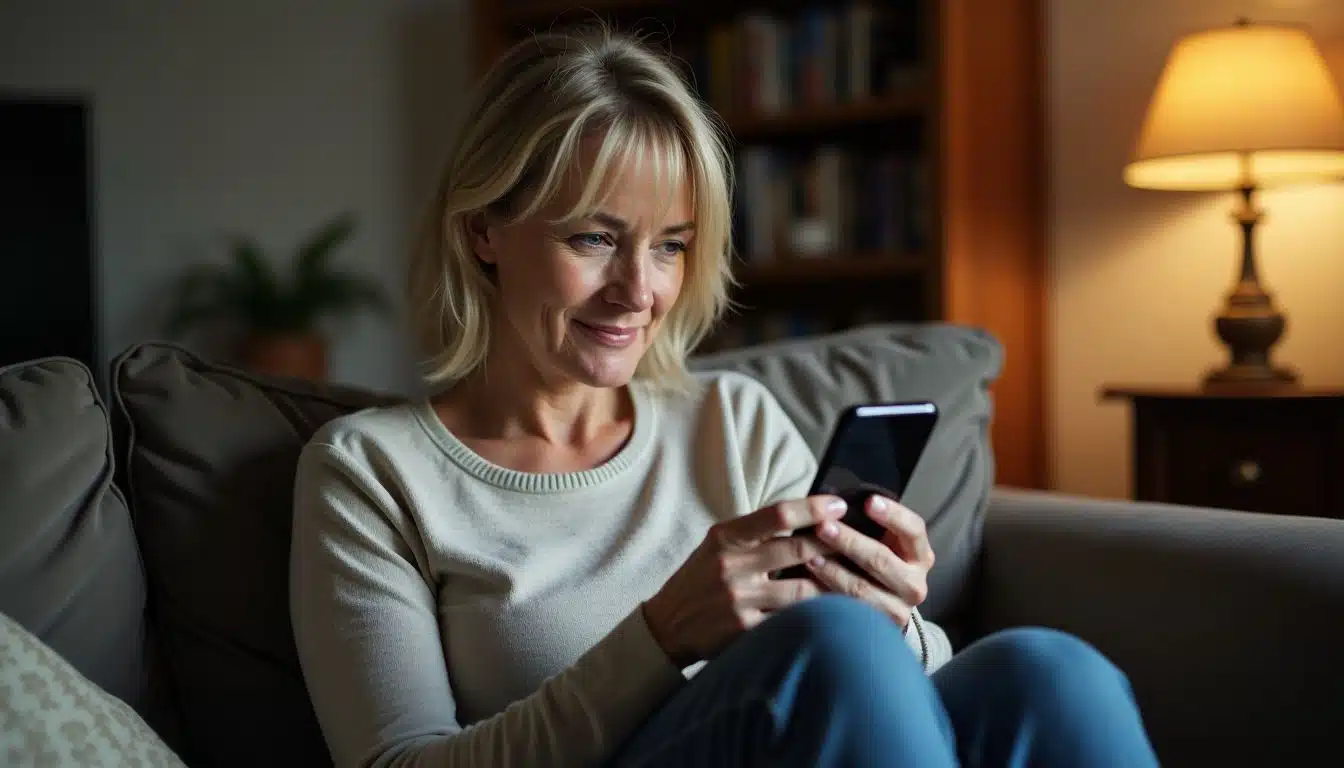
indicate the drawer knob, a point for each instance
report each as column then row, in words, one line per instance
column 1247, row 471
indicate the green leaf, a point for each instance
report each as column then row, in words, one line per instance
column 315, row 253
column 255, row 293
column 252, row 292
column 343, row 293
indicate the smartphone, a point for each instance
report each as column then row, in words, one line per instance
column 874, row 449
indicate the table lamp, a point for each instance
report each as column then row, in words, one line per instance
column 1242, row 108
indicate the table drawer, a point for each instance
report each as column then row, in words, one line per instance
column 1278, row 450
column 1261, row 468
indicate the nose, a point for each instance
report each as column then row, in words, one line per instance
column 629, row 287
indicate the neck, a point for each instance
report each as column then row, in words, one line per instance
column 509, row 398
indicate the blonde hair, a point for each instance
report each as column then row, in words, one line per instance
column 523, row 131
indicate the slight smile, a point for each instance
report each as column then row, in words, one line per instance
column 609, row 335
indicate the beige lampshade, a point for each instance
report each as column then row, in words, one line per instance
column 1247, row 104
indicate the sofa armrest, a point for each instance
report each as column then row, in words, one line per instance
column 1230, row 625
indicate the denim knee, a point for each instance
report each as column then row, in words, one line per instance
column 1056, row 664
column 847, row 635
column 834, row 618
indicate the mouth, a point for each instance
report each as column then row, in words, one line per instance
column 614, row 336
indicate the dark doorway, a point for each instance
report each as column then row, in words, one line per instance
column 47, row 277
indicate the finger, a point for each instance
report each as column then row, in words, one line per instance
column 783, row 552
column 876, row 559
column 836, row 577
column 783, row 517
column 908, row 527
column 778, row 595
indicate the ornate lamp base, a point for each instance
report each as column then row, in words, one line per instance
column 1249, row 325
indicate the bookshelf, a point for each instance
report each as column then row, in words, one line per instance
column 754, row 126
column 890, row 161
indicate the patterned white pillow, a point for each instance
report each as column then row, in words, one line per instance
column 51, row 715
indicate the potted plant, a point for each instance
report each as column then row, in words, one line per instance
column 276, row 316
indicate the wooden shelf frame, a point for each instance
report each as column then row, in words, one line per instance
column 909, row 102
column 834, row 268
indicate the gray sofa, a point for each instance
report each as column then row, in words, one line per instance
column 146, row 542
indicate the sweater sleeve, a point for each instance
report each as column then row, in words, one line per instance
column 928, row 641
column 788, row 472
column 365, row 618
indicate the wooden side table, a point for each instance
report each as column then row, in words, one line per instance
column 1280, row 452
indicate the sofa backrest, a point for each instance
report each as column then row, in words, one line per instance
column 70, row 572
column 206, row 455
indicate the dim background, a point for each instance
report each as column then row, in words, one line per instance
column 270, row 116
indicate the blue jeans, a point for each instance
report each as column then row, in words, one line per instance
column 829, row 683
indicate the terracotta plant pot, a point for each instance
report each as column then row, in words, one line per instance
column 299, row 355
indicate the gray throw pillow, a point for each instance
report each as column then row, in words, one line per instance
column 815, row 378
column 209, row 457
column 69, row 568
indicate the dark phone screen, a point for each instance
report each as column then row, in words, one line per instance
column 874, row 450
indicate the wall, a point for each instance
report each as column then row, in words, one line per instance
column 250, row 115
column 1135, row 277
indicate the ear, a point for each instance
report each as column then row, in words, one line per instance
column 479, row 231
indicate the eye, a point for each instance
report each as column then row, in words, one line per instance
column 671, row 248
column 589, row 241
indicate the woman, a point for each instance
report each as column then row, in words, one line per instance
column 525, row 569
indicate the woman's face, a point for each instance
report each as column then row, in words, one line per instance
column 582, row 300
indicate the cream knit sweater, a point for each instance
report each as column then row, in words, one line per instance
column 451, row 612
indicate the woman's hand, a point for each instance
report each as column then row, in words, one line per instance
column 724, row 587
column 897, row 566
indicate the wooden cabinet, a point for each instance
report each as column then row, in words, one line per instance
column 1274, row 452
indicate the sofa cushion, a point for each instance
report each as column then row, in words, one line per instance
column 53, row 715
column 815, row 378
column 209, row 460
column 69, row 569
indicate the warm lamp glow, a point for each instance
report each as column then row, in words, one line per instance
column 1245, row 106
